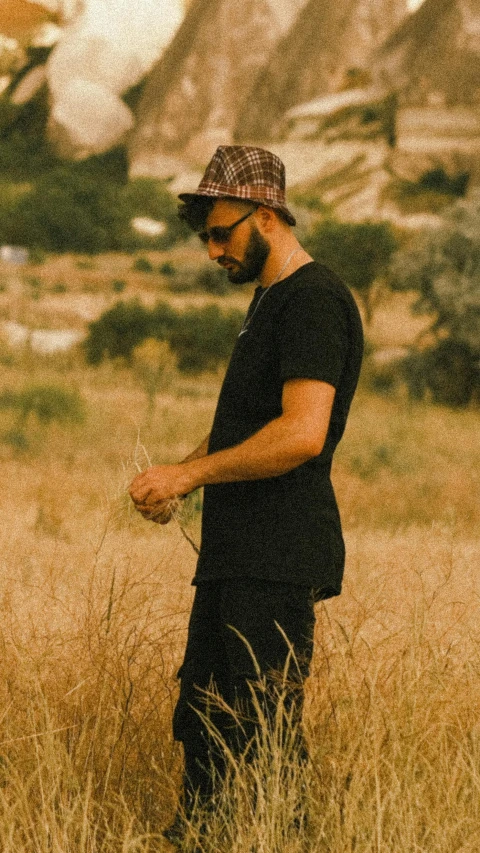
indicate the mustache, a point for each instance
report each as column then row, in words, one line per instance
column 226, row 259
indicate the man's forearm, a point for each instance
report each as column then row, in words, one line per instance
column 281, row 445
column 199, row 451
column 275, row 449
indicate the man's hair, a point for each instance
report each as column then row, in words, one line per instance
column 195, row 212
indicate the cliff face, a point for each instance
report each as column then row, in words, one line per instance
column 435, row 55
column 192, row 98
column 326, row 42
column 234, row 70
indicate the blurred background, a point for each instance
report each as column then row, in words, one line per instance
column 107, row 111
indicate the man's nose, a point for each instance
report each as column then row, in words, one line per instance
column 214, row 250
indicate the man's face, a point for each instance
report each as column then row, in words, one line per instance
column 246, row 251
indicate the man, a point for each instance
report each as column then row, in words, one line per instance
column 271, row 537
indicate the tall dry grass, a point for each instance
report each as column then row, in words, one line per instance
column 94, row 605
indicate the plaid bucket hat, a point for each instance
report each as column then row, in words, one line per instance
column 247, row 173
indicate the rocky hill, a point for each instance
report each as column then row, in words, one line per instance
column 434, row 56
column 193, row 97
column 327, row 49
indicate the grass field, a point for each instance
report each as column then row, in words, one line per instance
column 94, row 604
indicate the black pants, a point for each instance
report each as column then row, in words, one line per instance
column 233, row 638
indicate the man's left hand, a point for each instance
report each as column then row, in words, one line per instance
column 156, row 485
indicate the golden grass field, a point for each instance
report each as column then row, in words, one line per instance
column 94, row 604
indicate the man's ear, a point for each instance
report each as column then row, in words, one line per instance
column 267, row 218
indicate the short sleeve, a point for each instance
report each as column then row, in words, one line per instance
column 313, row 335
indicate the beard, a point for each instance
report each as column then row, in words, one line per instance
column 256, row 254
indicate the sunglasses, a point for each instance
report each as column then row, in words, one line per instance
column 220, row 234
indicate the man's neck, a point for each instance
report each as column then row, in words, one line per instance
column 282, row 262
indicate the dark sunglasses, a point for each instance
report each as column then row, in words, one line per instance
column 220, row 234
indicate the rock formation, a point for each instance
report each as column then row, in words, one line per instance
column 193, row 97
column 434, row 57
column 327, row 49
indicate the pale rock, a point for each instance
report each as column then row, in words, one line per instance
column 194, row 95
column 326, row 50
column 433, row 58
column 93, row 119
column 102, row 54
column 29, row 85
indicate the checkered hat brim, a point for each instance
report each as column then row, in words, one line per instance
column 245, row 172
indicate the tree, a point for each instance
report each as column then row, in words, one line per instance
column 358, row 252
column 443, row 266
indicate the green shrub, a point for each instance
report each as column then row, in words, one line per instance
column 432, row 192
column 51, row 403
column 68, row 209
column 119, row 285
column 151, row 198
column 47, row 403
column 442, row 265
column 35, row 285
column 86, row 207
column 206, row 279
column 201, row 339
column 142, row 265
column 358, row 252
column 212, row 279
column 439, row 181
column 117, row 332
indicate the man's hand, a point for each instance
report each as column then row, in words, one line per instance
column 162, row 513
column 155, row 492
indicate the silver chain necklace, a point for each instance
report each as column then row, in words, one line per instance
column 277, row 278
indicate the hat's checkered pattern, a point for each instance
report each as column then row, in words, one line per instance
column 242, row 171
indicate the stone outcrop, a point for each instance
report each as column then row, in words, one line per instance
column 99, row 57
column 434, row 56
column 327, row 49
column 194, row 95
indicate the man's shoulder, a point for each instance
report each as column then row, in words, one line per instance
column 315, row 274
column 318, row 284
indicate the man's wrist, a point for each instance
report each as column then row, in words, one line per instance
column 189, row 476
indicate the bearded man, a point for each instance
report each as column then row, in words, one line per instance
column 272, row 542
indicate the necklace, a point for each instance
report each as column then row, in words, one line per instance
column 248, row 319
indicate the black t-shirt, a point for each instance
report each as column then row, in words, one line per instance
column 285, row 528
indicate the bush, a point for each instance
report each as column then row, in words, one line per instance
column 207, row 279
column 166, row 269
column 68, row 209
column 204, row 338
column 142, row 265
column 47, row 403
column 439, row 181
column 358, row 253
column 88, row 208
column 432, row 192
column 201, row 339
column 443, row 266
column 117, row 332
column 151, row 198
column 213, row 280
